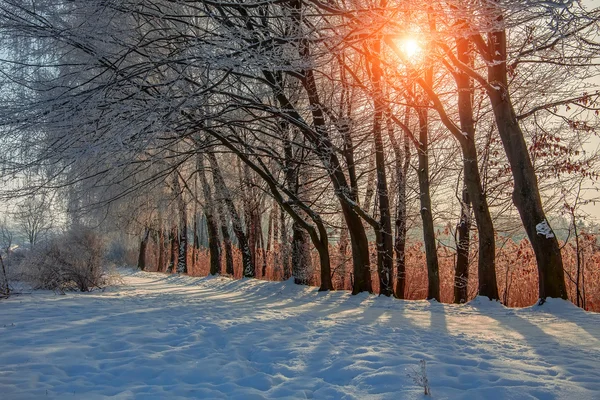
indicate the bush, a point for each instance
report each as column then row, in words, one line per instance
column 72, row 261
column 419, row 377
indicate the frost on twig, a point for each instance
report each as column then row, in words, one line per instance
column 419, row 377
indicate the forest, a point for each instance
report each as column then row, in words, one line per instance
column 440, row 149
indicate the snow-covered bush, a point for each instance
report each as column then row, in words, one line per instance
column 71, row 261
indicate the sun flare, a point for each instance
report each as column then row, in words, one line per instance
column 410, row 47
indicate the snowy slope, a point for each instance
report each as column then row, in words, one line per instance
column 171, row 337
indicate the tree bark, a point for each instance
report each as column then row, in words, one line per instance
column 4, row 286
column 285, row 248
column 214, row 244
column 344, row 126
column 247, row 265
column 173, row 245
column 249, row 211
column 343, row 254
column 385, row 247
column 526, row 195
column 461, row 270
column 486, row 265
column 161, row 267
column 276, row 247
column 370, row 189
column 142, row 253
column 224, row 227
column 195, row 227
column 182, row 242
column 301, row 260
column 401, row 164
column 261, row 244
column 433, row 278
column 269, row 246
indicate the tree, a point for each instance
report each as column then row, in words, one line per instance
column 6, row 239
column 115, row 106
column 34, row 217
column 214, row 242
column 224, row 195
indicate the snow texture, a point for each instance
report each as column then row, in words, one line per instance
column 544, row 229
column 175, row 337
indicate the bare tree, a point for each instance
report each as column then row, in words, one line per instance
column 33, row 217
column 6, row 241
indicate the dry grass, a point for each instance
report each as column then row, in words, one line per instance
column 515, row 267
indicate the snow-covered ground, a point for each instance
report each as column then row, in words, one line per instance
column 171, row 337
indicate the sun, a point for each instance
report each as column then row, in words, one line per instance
column 409, row 47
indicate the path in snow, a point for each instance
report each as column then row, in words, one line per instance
column 169, row 337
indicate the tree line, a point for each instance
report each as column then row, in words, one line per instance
column 316, row 124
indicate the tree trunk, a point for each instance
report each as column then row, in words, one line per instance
column 385, row 247
column 402, row 163
column 526, row 195
column 343, row 254
column 433, row 278
column 285, row 249
column 301, row 259
column 578, row 253
column 195, row 227
column 325, row 263
column 202, row 240
column 227, row 246
column 142, row 253
column 182, row 243
column 161, row 267
column 156, row 238
column 252, row 233
column 276, row 248
column 182, row 251
column 4, row 286
column 486, row 265
column 261, row 244
column 321, row 243
column 214, row 244
column 344, row 126
column 173, row 239
column 269, row 245
column 196, row 238
column 249, row 211
column 370, row 190
column 461, row 270
column 238, row 230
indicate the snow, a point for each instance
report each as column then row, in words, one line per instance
column 544, row 229
column 155, row 336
